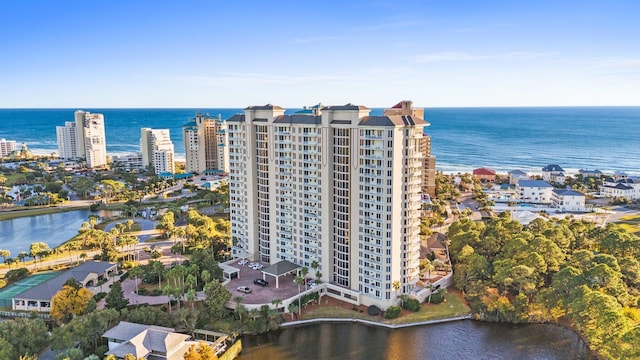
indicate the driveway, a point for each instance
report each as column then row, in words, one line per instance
column 261, row 295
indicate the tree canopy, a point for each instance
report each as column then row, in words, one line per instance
column 551, row 270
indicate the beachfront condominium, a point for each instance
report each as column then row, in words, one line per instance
column 67, row 140
column 83, row 138
column 206, row 144
column 7, row 147
column 336, row 186
column 428, row 162
column 157, row 150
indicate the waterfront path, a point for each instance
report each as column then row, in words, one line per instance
column 375, row 323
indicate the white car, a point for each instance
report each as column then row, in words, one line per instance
column 243, row 262
column 257, row 266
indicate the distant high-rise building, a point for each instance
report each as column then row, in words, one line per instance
column 429, row 162
column 83, row 138
column 7, row 146
column 67, row 140
column 92, row 144
column 206, row 144
column 334, row 186
column 157, row 150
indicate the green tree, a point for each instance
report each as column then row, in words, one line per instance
column 115, row 298
column 216, row 296
column 33, row 335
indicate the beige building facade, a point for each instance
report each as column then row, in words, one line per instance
column 339, row 187
column 157, row 150
column 206, row 144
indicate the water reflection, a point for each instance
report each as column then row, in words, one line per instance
column 16, row 235
column 456, row 340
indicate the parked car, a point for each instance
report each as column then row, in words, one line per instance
column 243, row 262
column 256, row 266
column 261, row 282
column 244, row 289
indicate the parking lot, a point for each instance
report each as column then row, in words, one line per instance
column 259, row 294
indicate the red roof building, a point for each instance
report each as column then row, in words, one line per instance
column 485, row 174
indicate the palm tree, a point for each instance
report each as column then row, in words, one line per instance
column 276, row 303
column 293, row 309
column 303, row 272
column 238, row 300
column 298, row 281
column 396, row 287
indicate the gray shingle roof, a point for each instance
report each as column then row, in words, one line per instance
column 348, row 106
column 567, row 192
column 143, row 339
column 393, row 120
column 534, row 183
column 281, row 268
column 264, row 107
column 298, row 119
column 47, row 289
column 236, row 118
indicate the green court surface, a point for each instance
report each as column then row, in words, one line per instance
column 11, row 291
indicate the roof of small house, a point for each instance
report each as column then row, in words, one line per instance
column 567, row 192
column 141, row 340
column 483, row 171
column 552, row 167
column 45, row 291
column 534, row 183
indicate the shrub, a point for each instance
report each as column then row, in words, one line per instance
column 411, row 305
column 373, row 310
column 392, row 312
column 99, row 296
column 16, row 274
column 437, row 297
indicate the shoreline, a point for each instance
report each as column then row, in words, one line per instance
column 373, row 323
column 297, row 323
column 9, row 214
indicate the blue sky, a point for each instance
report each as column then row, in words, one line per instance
column 212, row 53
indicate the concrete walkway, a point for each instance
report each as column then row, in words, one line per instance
column 375, row 323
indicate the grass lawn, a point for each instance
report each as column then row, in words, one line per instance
column 452, row 307
column 631, row 223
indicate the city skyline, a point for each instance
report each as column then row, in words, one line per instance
column 214, row 54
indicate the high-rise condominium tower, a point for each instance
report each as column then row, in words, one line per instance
column 157, row 150
column 83, row 138
column 206, row 144
column 7, row 146
column 429, row 162
column 336, row 186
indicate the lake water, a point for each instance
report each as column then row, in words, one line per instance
column 16, row 235
column 455, row 340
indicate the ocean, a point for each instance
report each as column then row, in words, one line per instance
column 524, row 138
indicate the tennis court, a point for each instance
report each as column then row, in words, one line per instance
column 13, row 290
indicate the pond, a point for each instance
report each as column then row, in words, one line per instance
column 16, row 235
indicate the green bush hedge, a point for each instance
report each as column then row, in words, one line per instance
column 16, row 274
column 437, row 297
column 392, row 312
column 411, row 305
